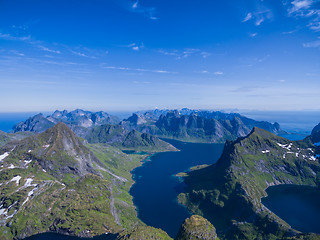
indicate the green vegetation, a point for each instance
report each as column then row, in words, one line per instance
column 228, row 193
column 197, row 227
column 53, row 182
column 144, row 233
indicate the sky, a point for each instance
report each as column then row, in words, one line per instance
column 122, row 55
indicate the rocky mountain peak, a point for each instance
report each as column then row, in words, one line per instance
column 196, row 227
column 58, row 151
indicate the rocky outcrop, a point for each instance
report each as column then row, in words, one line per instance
column 195, row 228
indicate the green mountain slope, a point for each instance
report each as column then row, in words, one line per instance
column 53, row 182
column 119, row 137
column 229, row 192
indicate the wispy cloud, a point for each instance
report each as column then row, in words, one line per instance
column 139, row 70
column 10, row 37
column 136, row 7
column 299, row 5
column 253, row 34
column 185, row 53
column 248, row 17
column 135, row 46
column 49, row 50
column 314, row 44
column 218, row 73
column 308, row 9
column 259, row 14
column 17, row 53
column 78, row 53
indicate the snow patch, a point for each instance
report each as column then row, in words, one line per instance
column 3, row 211
column 28, row 183
column 28, row 197
column 3, row 156
column 15, row 179
column 285, row 146
column 46, row 146
column 310, row 149
column 265, row 151
column 312, row 158
column 27, row 162
column 29, row 151
column 284, row 155
column 44, row 170
column 11, row 166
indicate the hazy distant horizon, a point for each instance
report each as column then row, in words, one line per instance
column 293, row 121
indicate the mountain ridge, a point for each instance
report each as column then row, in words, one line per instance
column 231, row 189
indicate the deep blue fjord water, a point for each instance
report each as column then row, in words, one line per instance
column 156, row 189
column 55, row 236
column 297, row 205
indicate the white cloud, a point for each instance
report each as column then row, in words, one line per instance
column 253, row 34
column 299, row 4
column 248, row 17
column 259, row 14
column 13, row 38
column 49, row 50
column 259, row 21
column 79, row 54
column 139, row 70
column 307, row 9
column 205, row 54
column 218, row 73
column 185, row 53
column 135, row 5
column 282, row 80
column 313, row 44
column 135, row 46
column 17, row 53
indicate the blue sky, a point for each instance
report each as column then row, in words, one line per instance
column 130, row 55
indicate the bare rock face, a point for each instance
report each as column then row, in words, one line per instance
column 37, row 123
column 59, row 151
column 196, row 228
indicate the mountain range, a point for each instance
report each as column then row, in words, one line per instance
column 197, row 126
column 185, row 124
column 78, row 117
